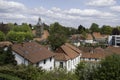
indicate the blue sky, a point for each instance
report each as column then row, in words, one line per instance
column 70, row 13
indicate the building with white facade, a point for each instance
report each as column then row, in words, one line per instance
column 114, row 40
column 67, row 57
column 33, row 53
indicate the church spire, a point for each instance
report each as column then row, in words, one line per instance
column 39, row 28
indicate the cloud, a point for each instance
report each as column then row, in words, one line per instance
column 11, row 11
column 11, row 6
column 101, row 3
column 115, row 8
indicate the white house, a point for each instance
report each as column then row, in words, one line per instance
column 67, row 57
column 33, row 53
column 114, row 40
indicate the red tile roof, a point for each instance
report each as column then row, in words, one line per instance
column 5, row 43
column 68, row 51
column 32, row 51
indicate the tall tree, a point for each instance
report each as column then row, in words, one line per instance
column 105, row 29
column 115, row 31
column 94, row 27
column 2, row 36
column 108, row 69
column 81, row 29
column 57, row 35
column 6, row 57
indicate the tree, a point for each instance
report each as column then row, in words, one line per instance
column 106, row 29
column 94, row 27
column 84, row 70
column 57, row 36
column 108, row 69
column 115, row 31
column 2, row 36
column 81, row 29
column 6, row 57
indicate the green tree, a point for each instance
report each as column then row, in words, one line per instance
column 57, row 36
column 2, row 36
column 106, row 29
column 81, row 29
column 6, row 56
column 108, row 69
column 94, row 27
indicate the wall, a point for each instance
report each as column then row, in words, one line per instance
column 48, row 65
column 20, row 59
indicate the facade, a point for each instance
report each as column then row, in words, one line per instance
column 33, row 53
column 67, row 57
column 114, row 40
column 93, row 55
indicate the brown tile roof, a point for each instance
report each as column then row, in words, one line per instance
column 95, row 53
column 97, row 35
column 5, row 43
column 61, row 57
column 73, row 47
column 89, row 37
column 67, row 52
column 32, row 51
column 113, row 50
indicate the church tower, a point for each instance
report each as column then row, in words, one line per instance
column 39, row 28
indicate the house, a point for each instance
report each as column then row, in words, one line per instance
column 99, row 37
column 5, row 44
column 93, row 55
column 114, row 40
column 89, row 39
column 67, row 57
column 33, row 53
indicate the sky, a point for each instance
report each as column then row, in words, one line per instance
column 70, row 13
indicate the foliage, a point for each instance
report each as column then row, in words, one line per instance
column 81, row 29
column 106, row 29
column 2, row 36
column 115, row 31
column 6, row 57
column 22, row 71
column 108, row 69
column 57, row 36
column 8, row 77
column 19, row 36
column 84, row 70
column 94, row 27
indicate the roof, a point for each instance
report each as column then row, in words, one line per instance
column 97, row 35
column 89, row 37
column 73, row 48
column 44, row 36
column 94, row 53
column 32, row 51
column 66, row 52
column 5, row 43
column 112, row 50
column 61, row 57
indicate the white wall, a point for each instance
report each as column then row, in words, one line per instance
column 20, row 59
column 70, row 64
column 47, row 66
column 110, row 40
column 88, row 41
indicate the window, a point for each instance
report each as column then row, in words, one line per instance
column 61, row 64
column 50, row 59
column 44, row 61
column 37, row 64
